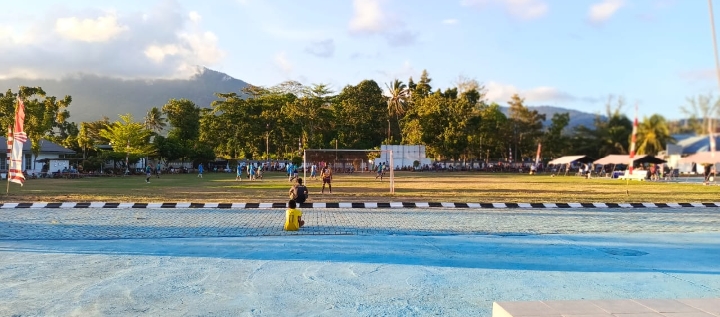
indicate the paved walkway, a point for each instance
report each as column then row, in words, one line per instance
column 102, row 223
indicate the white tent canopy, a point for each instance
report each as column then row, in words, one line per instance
column 616, row 159
column 625, row 159
column 566, row 159
column 701, row 158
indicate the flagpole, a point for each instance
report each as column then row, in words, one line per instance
column 9, row 145
column 717, row 72
column 632, row 151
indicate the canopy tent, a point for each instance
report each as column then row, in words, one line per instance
column 570, row 159
column 625, row 159
column 701, row 158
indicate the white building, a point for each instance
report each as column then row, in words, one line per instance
column 688, row 145
column 50, row 152
column 403, row 155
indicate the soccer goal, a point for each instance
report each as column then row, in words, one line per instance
column 349, row 161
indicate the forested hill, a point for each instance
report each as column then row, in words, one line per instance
column 95, row 97
column 576, row 117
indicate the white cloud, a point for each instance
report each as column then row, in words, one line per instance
column 157, row 53
column 283, row 63
column 324, row 48
column 368, row 17
column 524, row 9
column 601, row 12
column 501, row 93
column 195, row 17
column 450, row 21
column 13, row 36
column 161, row 42
column 101, row 29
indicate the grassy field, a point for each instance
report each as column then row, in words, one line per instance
column 359, row 187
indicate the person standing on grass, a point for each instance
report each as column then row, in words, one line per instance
column 380, row 171
column 148, row 173
column 200, row 170
column 326, row 176
column 252, row 172
column 313, row 171
column 238, row 175
column 293, row 217
column 158, row 169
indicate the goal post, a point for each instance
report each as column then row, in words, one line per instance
column 390, row 161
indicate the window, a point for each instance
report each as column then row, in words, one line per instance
column 4, row 163
column 28, row 162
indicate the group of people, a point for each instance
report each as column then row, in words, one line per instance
column 253, row 172
column 299, row 194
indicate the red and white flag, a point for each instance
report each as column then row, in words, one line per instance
column 632, row 143
column 19, row 132
column 15, row 171
column 537, row 156
column 9, row 144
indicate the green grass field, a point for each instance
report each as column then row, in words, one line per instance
column 360, row 187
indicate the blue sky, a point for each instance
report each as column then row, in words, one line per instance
column 571, row 54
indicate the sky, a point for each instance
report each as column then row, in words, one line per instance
column 572, row 54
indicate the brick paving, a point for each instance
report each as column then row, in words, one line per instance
column 153, row 223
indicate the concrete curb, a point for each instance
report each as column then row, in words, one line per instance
column 368, row 205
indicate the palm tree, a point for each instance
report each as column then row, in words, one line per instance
column 398, row 98
column 154, row 120
column 653, row 134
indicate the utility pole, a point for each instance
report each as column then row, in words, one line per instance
column 717, row 59
column 127, row 158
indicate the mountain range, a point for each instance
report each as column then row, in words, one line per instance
column 95, row 96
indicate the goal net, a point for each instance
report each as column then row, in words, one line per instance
column 347, row 161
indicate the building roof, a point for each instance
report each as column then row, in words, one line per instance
column 46, row 147
column 698, row 143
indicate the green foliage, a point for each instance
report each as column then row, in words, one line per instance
column 556, row 143
column 42, row 113
column 397, row 102
column 184, row 116
column 154, row 120
column 527, row 127
column 360, row 116
column 129, row 137
column 611, row 135
column 278, row 122
column 493, row 132
column 653, row 135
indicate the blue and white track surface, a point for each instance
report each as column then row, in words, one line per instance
column 445, row 261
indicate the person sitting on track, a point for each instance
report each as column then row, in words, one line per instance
column 293, row 217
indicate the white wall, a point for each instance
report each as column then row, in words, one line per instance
column 403, row 155
column 55, row 164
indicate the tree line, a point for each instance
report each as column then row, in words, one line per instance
column 277, row 122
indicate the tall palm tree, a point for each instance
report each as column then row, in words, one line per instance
column 154, row 120
column 653, row 134
column 398, row 99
